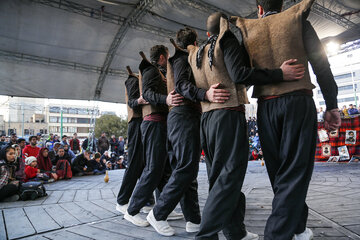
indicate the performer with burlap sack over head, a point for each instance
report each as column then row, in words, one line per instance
column 136, row 161
column 286, row 111
column 154, row 134
column 223, row 126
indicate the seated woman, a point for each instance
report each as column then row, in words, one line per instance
column 97, row 166
column 8, row 185
column 45, row 165
column 20, row 163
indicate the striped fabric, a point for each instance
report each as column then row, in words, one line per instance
column 156, row 117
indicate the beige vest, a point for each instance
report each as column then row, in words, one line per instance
column 131, row 112
column 274, row 39
column 205, row 76
column 149, row 109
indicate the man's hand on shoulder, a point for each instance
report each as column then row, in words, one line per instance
column 174, row 99
column 216, row 95
column 292, row 71
column 332, row 119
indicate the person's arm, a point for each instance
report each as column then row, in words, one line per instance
column 320, row 64
column 237, row 64
column 150, row 81
column 132, row 88
column 4, row 178
column 183, row 84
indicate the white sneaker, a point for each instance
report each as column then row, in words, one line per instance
column 162, row 227
column 136, row 220
column 175, row 216
column 121, row 208
column 146, row 209
column 192, row 227
column 306, row 235
column 250, row 236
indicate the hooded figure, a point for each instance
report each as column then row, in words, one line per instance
column 8, row 185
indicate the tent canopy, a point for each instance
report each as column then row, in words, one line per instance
column 78, row 49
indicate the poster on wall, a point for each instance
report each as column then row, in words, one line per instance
column 334, row 134
column 323, row 136
column 350, row 137
column 343, row 153
column 326, row 150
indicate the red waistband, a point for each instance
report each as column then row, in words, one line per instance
column 156, row 117
column 302, row 92
column 240, row 108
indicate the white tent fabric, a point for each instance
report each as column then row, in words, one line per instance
column 59, row 48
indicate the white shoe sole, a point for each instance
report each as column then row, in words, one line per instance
column 120, row 210
column 153, row 224
column 130, row 219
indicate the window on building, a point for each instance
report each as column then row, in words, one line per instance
column 72, row 111
column 53, row 119
column 342, row 76
column 83, row 130
column 72, row 129
column 54, row 129
column 83, row 111
column 65, row 119
column 32, row 132
column 83, row 120
column 54, row 109
column 349, row 99
column 26, row 132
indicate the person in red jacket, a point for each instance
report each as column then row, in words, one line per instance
column 30, row 169
column 75, row 144
column 31, row 149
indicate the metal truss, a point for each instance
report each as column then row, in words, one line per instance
column 21, row 57
column 320, row 9
column 132, row 19
column 104, row 16
column 205, row 7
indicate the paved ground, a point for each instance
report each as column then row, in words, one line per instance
column 84, row 207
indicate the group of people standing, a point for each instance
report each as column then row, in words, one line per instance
column 195, row 100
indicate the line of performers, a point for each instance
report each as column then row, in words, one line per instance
column 195, row 100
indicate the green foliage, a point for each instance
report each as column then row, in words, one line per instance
column 112, row 125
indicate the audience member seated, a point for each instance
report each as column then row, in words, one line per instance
column 119, row 164
column 105, row 157
column 9, row 186
column 352, row 110
column 96, row 165
column 20, row 163
column 345, row 111
column 80, row 165
column 31, row 149
column 108, row 165
column 53, row 153
column 32, row 172
column 69, row 152
column 45, row 165
column 61, row 155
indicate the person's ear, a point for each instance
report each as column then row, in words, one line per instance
column 195, row 43
column 208, row 34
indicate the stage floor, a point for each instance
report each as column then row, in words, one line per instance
column 84, row 207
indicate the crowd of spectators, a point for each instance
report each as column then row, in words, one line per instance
column 44, row 159
column 345, row 112
column 255, row 152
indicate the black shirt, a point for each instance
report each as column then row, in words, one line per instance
column 132, row 88
column 320, row 65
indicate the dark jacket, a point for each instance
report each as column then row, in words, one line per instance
column 79, row 163
column 114, row 145
column 103, row 143
column 85, row 144
column 65, row 157
column 93, row 165
column 133, row 90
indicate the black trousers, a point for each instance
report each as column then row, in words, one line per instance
column 288, row 131
column 136, row 162
column 157, row 168
column 225, row 143
column 7, row 191
column 184, row 138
